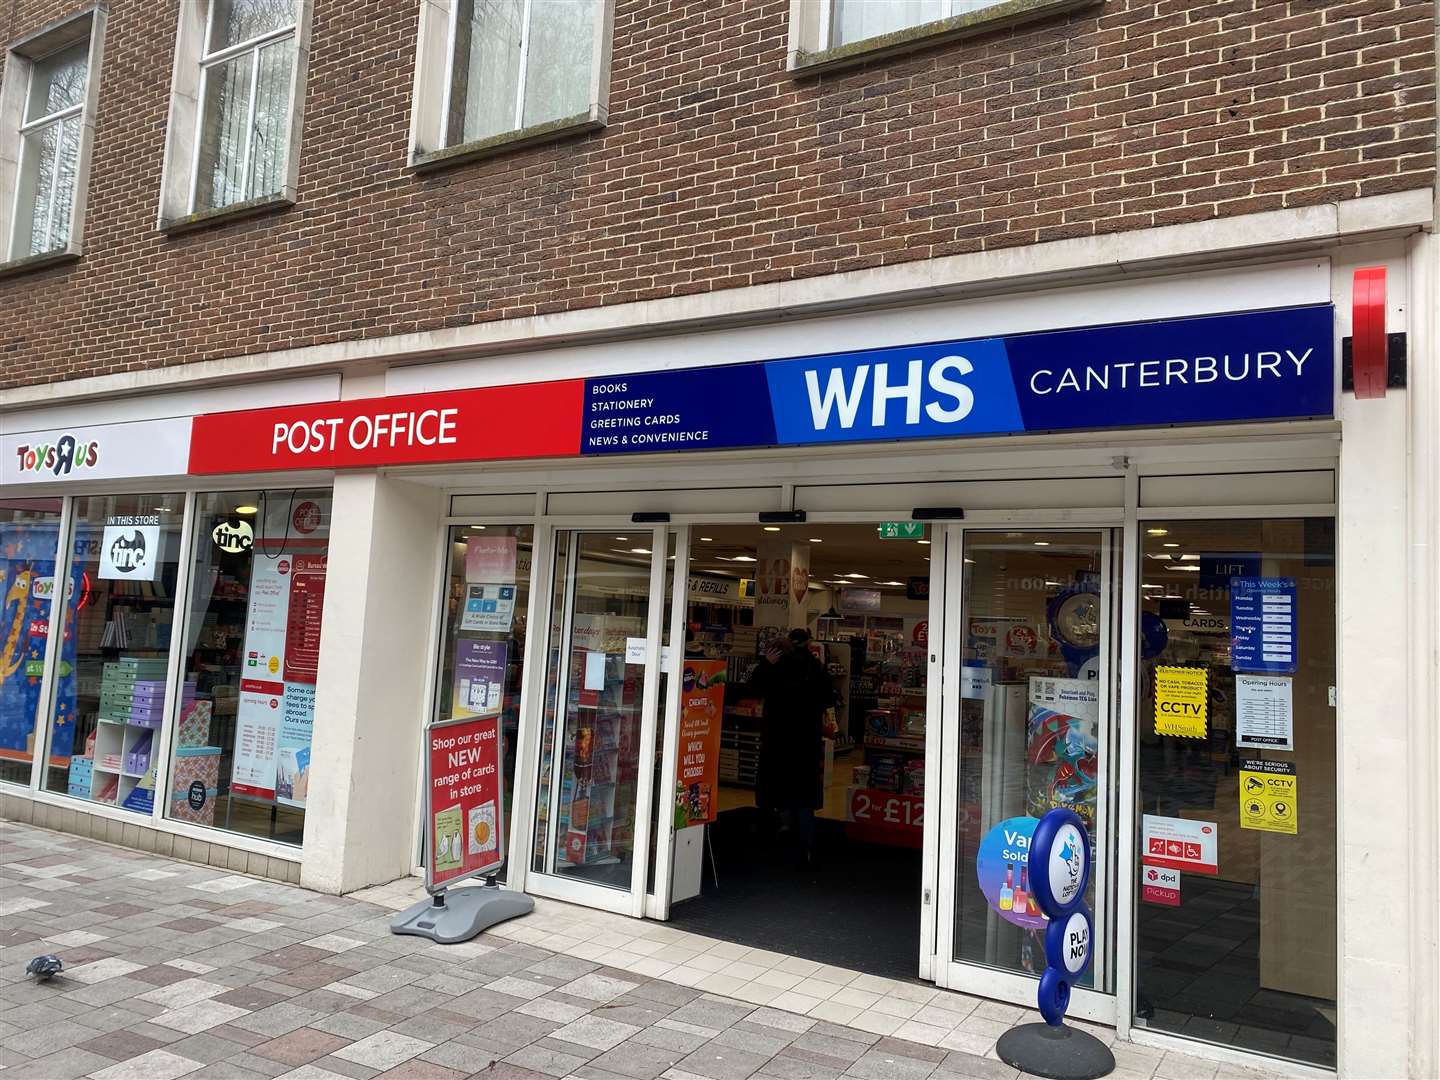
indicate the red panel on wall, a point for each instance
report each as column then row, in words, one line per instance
column 525, row 421
column 1368, row 349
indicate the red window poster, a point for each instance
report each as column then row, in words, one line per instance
column 465, row 804
column 697, row 767
column 1180, row 844
column 302, row 630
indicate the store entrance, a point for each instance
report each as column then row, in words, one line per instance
column 1031, row 637
column 808, row 645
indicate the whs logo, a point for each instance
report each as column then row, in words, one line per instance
column 919, row 391
column 844, row 392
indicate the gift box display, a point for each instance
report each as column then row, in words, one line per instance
column 195, row 724
column 194, row 783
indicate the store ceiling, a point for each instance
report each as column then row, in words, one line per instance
column 835, row 550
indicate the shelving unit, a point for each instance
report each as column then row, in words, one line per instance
column 889, row 685
column 118, row 768
column 597, row 774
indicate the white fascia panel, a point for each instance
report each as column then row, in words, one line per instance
column 1249, row 288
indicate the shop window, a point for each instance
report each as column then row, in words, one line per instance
column 46, row 120
column 109, row 689
column 503, row 71
column 1236, row 912
column 482, row 655
column 242, row 738
column 29, row 541
column 235, row 109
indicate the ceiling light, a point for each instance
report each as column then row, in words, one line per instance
column 900, row 583
column 1170, row 543
column 622, row 538
column 926, row 542
column 815, row 540
column 1054, row 584
column 1158, row 532
column 970, row 560
column 1042, row 543
column 772, row 528
column 247, row 509
column 742, row 558
column 1152, row 586
column 708, row 539
column 639, row 551
column 1190, row 558
column 1188, row 569
column 856, row 576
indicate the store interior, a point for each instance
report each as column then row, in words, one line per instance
column 848, row 892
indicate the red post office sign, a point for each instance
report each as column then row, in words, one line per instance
column 465, row 814
column 527, row 420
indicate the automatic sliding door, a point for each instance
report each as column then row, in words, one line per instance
column 600, row 698
column 1031, row 635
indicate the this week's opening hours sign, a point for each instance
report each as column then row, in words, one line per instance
column 1262, row 365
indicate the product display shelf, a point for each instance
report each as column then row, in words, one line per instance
column 130, row 711
column 900, row 744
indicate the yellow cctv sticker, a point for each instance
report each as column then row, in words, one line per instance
column 1269, row 796
column 1181, row 701
column 274, row 665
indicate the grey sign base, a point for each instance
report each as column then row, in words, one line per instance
column 455, row 915
column 1060, row 1053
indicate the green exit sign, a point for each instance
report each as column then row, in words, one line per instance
column 901, row 530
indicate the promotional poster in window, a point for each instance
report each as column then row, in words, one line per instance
column 27, row 587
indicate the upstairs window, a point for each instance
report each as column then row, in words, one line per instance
column 856, row 20
column 238, row 88
column 49, row 151
column 46, row 118
column 832, row 33
column 490, row 69
column 247, row 77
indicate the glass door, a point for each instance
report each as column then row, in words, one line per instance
column 594, row 788
column 1026, row 726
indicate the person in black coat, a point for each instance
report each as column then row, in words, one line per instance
column 791, row 775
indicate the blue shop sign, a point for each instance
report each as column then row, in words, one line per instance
column 1262, row 625
column 1264, row 365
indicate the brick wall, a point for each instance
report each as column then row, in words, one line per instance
column 718, row 169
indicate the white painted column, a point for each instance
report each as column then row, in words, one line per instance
column 1424, row 642
column 370, row 694
column 1378, row 918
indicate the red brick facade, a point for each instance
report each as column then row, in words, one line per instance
column 718, row 169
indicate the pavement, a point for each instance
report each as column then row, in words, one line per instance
column 174, row 969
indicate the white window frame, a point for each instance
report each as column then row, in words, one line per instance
column 20, row 61
column 812, row 47
column 180, row 179
column 430, row 106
